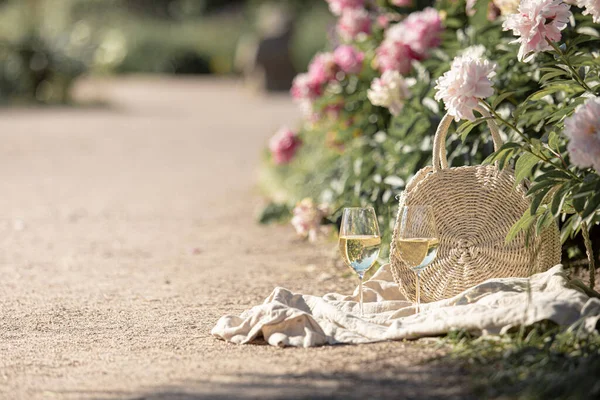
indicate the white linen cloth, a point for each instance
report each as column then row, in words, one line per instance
column 492, row 307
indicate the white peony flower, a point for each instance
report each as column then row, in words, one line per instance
column 592, row 7
column 536, row 22
column 390, row 91
column 583, row 130
column 464, row 85
column 352, row 23
column 476, row 51
column 307, row 218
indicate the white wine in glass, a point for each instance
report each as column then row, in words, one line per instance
column 359, row 242
column 417, row 241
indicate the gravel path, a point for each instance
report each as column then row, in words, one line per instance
column 128, row 230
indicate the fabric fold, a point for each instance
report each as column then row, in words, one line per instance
column 492, row 307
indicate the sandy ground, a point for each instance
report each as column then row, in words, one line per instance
column 127, row 231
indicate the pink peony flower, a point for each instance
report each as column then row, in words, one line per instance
column 337, row 7
column 536, row 22
column 283, row 145
column 592, row 7
column 467, row 81
column 322, row 68
column 349, row 59
column 390, row 91
column 395, row 56
column 493, row 12
column 421, row 30
column 383, row 21
column 583, row 130
column 470, row 7
column 308, row 87
column 307, row 218
column 352, row 23
column 401, row 3
column 305, row 88
column 409, row 40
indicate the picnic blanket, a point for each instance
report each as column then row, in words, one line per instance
column 492, row 307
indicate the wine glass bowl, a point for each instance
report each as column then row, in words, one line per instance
column 417, row 240
column 418, row 253
column 359, row 241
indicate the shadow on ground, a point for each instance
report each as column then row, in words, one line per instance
column 421, row 382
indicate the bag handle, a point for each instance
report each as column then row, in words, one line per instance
column 440, row 161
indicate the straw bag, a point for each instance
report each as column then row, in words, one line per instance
column 474, row 208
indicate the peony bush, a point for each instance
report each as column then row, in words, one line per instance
column 372, row 101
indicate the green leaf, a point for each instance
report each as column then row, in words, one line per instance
column 543, row 221
column 582, row 38
column 553, row 140
column 468, row 126
column 541, row 93
column 386, row 196
column 480, row 17
column 492, row 158
column 567, row 228
column 500, row 98
column 592, row 206
column 551, row 75
column 562, row 113
column 357, row 188
column 555, row 175
column 524, row 166
column 454, row 23
column 581, row 73
column 588, row 187
column 559, row 199
column 395, row 181
column 274, row 212
column 553, row 69
column 578, row 203
column 522, row 224
column 464, row 129
column 539, row 185
column 506, row 157
column 538, row 199
column 505, row 153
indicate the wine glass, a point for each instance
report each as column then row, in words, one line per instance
column 359, row 242
column 417, row 241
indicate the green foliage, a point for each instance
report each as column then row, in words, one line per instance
column 540, row 362
column 274, row 212
column 370, row 155
column 557, row 190
column 374, row 153
column 38, row 70
column 76, row 37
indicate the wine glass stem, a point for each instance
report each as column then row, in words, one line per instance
column 360, row 290
column 418, row 291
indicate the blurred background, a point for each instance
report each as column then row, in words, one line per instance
column 47, row 45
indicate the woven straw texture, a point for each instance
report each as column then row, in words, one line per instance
column 474, row 208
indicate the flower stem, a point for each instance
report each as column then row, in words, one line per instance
column 574, row 73
column 590, row 253
column 557, row 155
column 541, row 156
